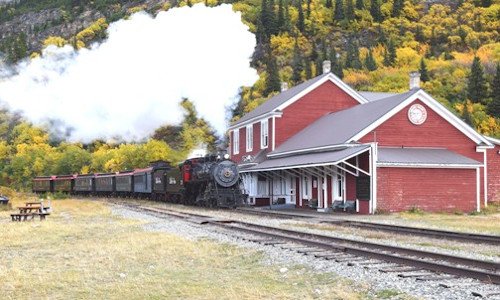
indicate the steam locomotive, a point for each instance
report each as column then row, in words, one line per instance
column 211, row 181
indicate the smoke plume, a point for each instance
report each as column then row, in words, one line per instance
column 132, row 83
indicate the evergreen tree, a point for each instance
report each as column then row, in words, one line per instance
column 272, row 22
column 390, row 53
column 370, row 63
column 485, row 3
column 297, row 64
column 466, row 117
column 286, row 22
column 424, row 74
column 419, row 35
column 21, row 46
column 308, row 69
column 476, row 82
column 494, row 106
column 375, row 11
column 300, row 22
column 260, row 34
column 281, row 17
column 336, row 64
column 321, row 58
column 268, row 18
column 397, row 7
column 462, row 33
column 350, row 11
column 314, row 57
column 356, row 62
column 360, row 4
column 273, row 83
column 381, row 35
column 339, row 11
column 328, row 4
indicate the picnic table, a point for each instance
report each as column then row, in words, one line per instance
column 30, row 210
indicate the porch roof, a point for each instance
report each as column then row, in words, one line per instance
column 308, row 160
column 421, row 157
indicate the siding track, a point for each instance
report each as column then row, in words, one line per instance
column 430, row 233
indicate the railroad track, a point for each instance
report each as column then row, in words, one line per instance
column 432, row 233
column 417, row 263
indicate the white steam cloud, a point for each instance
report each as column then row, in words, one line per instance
column 133, row 82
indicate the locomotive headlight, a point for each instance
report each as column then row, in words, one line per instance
column 226, row 156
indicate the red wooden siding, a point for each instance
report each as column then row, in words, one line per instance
column 324, row 99
column 435, row 132
column 400, row 189
column 493, row 158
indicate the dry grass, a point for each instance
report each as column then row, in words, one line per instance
column 487, row 222
column 82, row 251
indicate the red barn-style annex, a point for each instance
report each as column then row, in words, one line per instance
column 323, row 145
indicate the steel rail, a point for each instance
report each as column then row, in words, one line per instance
column 426, row 232
column 487, row 271
column 332, row 244
column 452, row 235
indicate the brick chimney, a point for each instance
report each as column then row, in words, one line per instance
column 284, row 86
column 327, row 66
column 414, row 80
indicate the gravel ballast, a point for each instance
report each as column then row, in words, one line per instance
column 285, row 259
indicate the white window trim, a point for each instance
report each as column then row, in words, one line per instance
column 249, row 138
column 264, row 135
column 236, row 141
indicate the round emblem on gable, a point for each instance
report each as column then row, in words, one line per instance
column 417, row 114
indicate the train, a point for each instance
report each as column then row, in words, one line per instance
column 211, row 181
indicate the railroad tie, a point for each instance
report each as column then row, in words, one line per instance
column 459, row 284
column 436, row 277
column 348, row 259
column 485, row 294
column 400, row 269
column 415, row 274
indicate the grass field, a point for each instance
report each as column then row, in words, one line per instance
column 488, row 221
column 82, row 251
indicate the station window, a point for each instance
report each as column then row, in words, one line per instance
column 236, row 141
column 264, row 134
column 249, row 138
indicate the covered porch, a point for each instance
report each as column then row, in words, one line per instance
column 341, row 178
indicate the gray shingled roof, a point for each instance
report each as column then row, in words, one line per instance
column 338, row 127
column 426, row 156
column 279, row 99
column 305, row 160
column 374, row 96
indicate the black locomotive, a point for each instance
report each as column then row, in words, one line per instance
column 211, row 181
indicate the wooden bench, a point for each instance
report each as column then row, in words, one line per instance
column 313, row 203
column 21, row 217
column 28, row 216
column 347, row 206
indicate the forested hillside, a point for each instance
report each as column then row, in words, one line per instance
column 373, row 45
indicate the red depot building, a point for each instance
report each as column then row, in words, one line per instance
column 322, row 144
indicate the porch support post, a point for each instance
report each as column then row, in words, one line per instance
column 373, row 178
